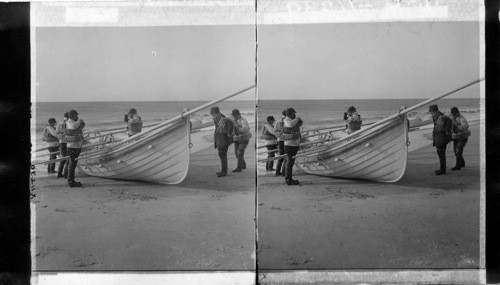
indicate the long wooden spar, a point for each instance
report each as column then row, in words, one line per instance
column 400, row 113
column 152, row 130
column 157, row 128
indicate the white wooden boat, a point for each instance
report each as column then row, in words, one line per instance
column 375, row 152
column 159, row 154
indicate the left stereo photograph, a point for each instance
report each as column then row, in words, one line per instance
column 142, row 136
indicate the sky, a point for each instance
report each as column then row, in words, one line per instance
column 295, row 61
column 368, row 60
column 179, row 63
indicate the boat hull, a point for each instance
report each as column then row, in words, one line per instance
column 163, row 158
column 380, row 156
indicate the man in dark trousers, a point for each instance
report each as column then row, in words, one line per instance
column 441, row 136
column 291, row 136
column 241, row 137
column 74, row 140
column 50, row 136
column 460, row 137
column 278, row 130
column 222, row 137
column 270, row 140
column 61, row 134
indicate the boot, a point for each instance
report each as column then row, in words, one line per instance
column 238, row 169
column 292, row 182
column 222, row 174
column 441, row 172
column 74, row 184
column 457, row 166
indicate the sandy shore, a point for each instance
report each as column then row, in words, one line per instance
column 207, row 223
column 203, row 223
column 422, row 221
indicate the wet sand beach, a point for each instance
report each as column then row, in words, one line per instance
column 203, row 223
column 422, row 221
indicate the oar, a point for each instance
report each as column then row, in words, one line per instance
column 322, row 133
column 42, row 149
column 49, row 153
column 272, row 158
column 269, row 151
column 49, row 161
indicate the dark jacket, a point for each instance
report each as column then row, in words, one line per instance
column 440, row 136
column 223, row 133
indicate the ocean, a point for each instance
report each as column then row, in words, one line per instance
column 103, row 115
column 321, row 112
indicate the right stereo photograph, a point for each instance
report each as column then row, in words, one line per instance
column 368, row 147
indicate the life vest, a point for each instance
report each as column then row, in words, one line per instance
column 48, row 137
column 136, row 127
column 279, row 130
column 74, row 135
column 354, row 123
column 459, row 134
column 266, row 135
column 61, row 131
column 240, row 136
column 292, row 133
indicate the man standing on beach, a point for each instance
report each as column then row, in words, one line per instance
column 74, row 139
column 291, row 136
column 460, row 136
column 50, row 136
column 61, row 135
column 241, row 138
column 441, row 136
column 134, row 122
column 270, row 140
column 222, row 137
column 278, row 130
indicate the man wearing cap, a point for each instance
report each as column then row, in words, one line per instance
column 270, row 141
column 50, row 136
column 134, row 122
column 241, row 138
column 222, row 137
column 441, row 136
column 291, row 136
column 63, row 146
column 74, row 139
column 353, row 120
column 278, row 130
column 460, row 136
